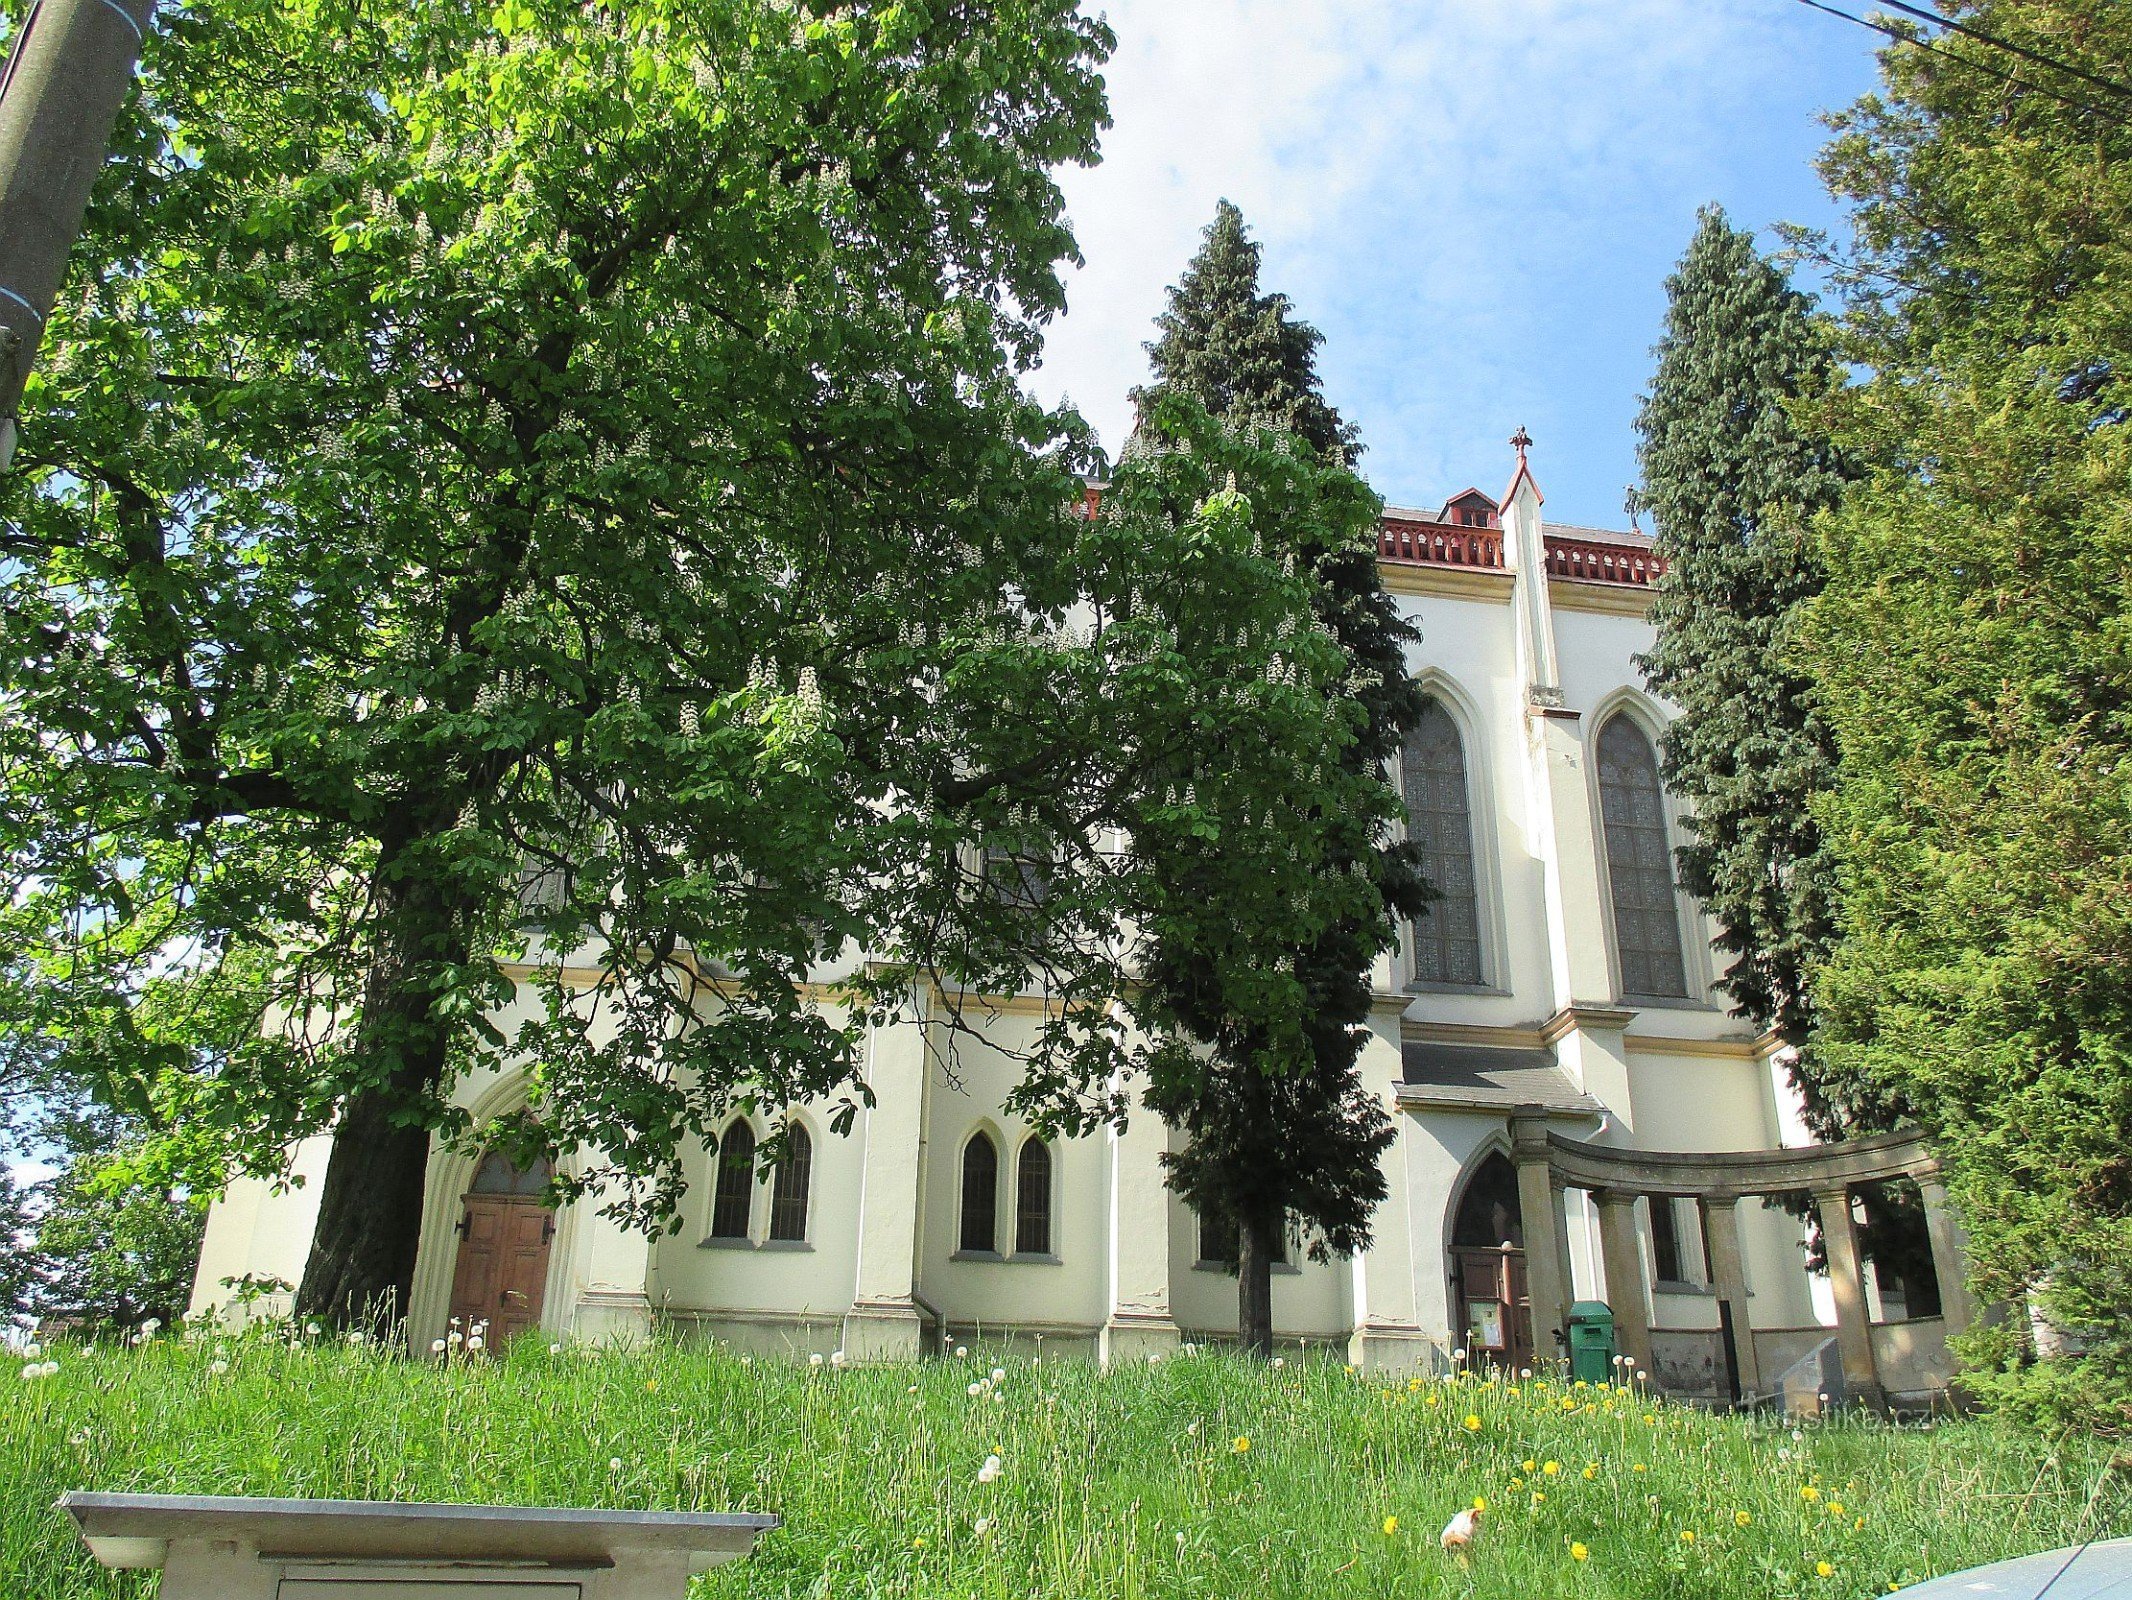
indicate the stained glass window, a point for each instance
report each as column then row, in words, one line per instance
column 1447, row 937
column 980, row 1193
column 736, row 1182
column 1639, row 862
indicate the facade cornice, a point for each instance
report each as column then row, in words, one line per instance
column 1451, row 583
column 1584, row 1018
column 1603, row 599
column 1514, row 1036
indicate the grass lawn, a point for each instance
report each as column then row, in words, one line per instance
column 1202, row 1476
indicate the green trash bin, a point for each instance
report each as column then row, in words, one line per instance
column 1591, row 1341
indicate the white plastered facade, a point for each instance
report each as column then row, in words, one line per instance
column 1530, row 667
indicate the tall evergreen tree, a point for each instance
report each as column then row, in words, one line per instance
column 1273, row 1142
column 1970, row 653
column 1734, row 471
column 1731, row 477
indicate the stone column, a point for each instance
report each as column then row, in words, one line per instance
column 1949, row 1265
column 1543, row 1234
column 1854, row 1333
column 883, row 1323
column 1569, row 1275
column 1138, row 1322
column 1721, row 1226
column 1624, row 1274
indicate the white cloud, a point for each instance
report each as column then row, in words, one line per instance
column 1475, row 199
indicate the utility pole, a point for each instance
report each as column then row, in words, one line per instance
column 64, row 82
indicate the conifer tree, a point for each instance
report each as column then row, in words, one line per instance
column 1734, row 471
column 1271, row 1147
column 1730, row 479
column 1969, row 650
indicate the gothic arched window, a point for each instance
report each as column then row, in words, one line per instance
column 1032, row 1200
column 788, row 1189
column 735, row 1188
column 1639, row 862
column 1447, row 937
column 980, row 1194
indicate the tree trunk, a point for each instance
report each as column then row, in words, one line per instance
column 1254, row 1288
column 362, row 1263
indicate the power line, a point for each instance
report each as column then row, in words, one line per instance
column 1900, row 37
column 2037, row 56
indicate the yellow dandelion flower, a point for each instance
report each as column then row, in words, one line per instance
column 1473, row 1423
column 1859, row 1526
column 918, row 1543
column 1741, row 1518
column 1823, row 1570
column 1551, row 1468
column 1590, row 1473
column 1432, row 1399
column 1649, row 1420
column 1350, row 1369
column 1391, row 1526
column 1568, row 1404
column 1480, row 1502
column 1531, row 1467
column 1242, row 1444
column 1809, row 1494
column 1687, row 1536
column 1835, row 1508
column 1577, row 1552
column 1639, row 1467
column 1539, row 1499
column 651, row 1385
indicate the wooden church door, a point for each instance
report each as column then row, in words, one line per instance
column 505, row 1233
column 1488, row 1269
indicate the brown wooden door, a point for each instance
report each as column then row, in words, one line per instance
column 1495, row 1307
column 502, row 1275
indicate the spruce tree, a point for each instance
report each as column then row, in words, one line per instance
column 1271, row 1146
column 1731, row 478
column 1734, row 472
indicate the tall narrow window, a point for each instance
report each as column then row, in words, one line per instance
column 1447, row 937
column 1019, row 872
column 980, row 1193
column 1218, row 1246
column 1639, row 863
column 1032, row 1200
column 736, row 1182
column 788, row 1190
column 1665, row 1241
column 1217, row 1239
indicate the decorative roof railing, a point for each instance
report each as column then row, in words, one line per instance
column 1443, row 544
column 1595, row 561
column 1439, row 544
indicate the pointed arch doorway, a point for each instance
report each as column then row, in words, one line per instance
column 1488, row 1268
column 506, row 1231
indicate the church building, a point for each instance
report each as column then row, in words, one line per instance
column 1561, row 986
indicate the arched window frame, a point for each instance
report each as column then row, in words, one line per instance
column 1694, row 941
column 800, row 1142
column 1046, row 1248
column 719, row 1195
column 989, row 1209
column 1481, row 826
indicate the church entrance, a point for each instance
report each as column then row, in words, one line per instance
column 504, row 1236
column 1488, row 1268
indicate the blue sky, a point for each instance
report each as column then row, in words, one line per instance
column 1477, row 201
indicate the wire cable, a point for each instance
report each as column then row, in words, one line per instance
column 2107, row 113
column 1954, row 25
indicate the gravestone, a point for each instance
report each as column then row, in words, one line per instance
column 222, row 1547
